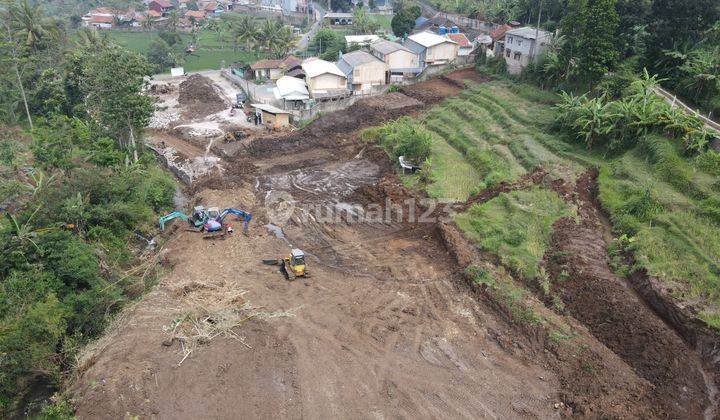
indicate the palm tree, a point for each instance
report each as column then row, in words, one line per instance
column 268, row 33
column 173, row 20
column 244, row 31
column 30, row 21
column 283, row 42
column 91, row 38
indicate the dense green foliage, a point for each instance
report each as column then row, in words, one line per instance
column 621, row 123
column 328, row 44
column 404, row 20
column 77, row 190
column 403, row 137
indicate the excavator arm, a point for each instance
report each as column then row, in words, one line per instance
column 239, row 213
column 173, row 215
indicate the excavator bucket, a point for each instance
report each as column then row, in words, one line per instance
column 171, row 216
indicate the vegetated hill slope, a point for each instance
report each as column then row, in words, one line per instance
column 558, row 243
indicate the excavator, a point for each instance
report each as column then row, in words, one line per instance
column 197, row 219
column 295, row 263
column 215, row 226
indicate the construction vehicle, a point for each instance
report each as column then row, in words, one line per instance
column 197, row 219
column 233, row 136
column 293, row 265
column 216, row 227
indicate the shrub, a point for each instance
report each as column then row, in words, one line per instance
column 404, row 137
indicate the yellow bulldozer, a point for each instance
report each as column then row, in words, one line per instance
column 293, row 265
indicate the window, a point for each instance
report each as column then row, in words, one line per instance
column 507, row 53
column 509, row 40
column 517, row 56
column 519, row 42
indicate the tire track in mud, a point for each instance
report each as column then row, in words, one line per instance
column 614, row 313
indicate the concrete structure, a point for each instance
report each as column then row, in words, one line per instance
column 465, row 47
column 339, row 18
column 324, row 79
column 361, row 40
column 432, row 48
column 523, row 45
column 273, row 69
column 272, row 116
column 292, row 92
column 402, row 63
column 363, row 71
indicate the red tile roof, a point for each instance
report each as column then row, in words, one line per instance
column 154, row 13
column 197, row 14
column 102, row 19
column 461, row 39
column 266, row 64
column 163, row 3
column 499, row 32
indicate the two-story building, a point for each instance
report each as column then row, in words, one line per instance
column 431, row 48
column 324, row 79
column 402, row 63
column 363, row 71
column 523, row 45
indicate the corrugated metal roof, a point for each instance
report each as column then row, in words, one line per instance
column 388, row 47
column 528, row 32
column 269, row 108
column 291, row 86
column 314, row 67
column 429, row 39
column 338, row 15
column 361, row 39
column 356, row 58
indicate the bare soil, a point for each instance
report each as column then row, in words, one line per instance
column 200, row 97
column 616, row 315
column 387, row 325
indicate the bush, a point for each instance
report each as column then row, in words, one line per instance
column 404, row 137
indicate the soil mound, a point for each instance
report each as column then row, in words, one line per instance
column 199, row 97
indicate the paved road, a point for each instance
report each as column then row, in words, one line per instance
column 307, row 37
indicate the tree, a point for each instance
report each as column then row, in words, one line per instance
column 173, row 20
column 598, row 53
column 403, row 21
column 283, row 42
column 113, row 83
column 244, row 31
column 13, row 52
column 159, row 54
column 327, row 43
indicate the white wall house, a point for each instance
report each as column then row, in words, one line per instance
column 432, row 48
column 523, row 45
column 363, row 71
column 324, row 79
column 402, row 63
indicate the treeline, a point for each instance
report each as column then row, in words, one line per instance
column 78, row 193
column 679, row 40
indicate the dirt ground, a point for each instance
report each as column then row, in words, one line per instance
column 386, row 325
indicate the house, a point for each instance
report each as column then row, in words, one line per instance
column 402, row 63
column 161, row 6
column 523, row 45
column 324, row 79
column 360, row 40
column 465, row 47
column 195, row 15
column 339, row 18
column 498, row 37
column 273, row 69
column 272, row 116
column 292, row 92
column 106, row 17
column 432, row 48
column 100, row 22
column 363, row 71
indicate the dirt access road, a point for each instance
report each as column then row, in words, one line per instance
column 385, row 326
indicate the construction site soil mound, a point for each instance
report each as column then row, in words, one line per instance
column 199, row 97
column 616, row 315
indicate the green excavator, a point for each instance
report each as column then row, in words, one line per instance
column 198, row 217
